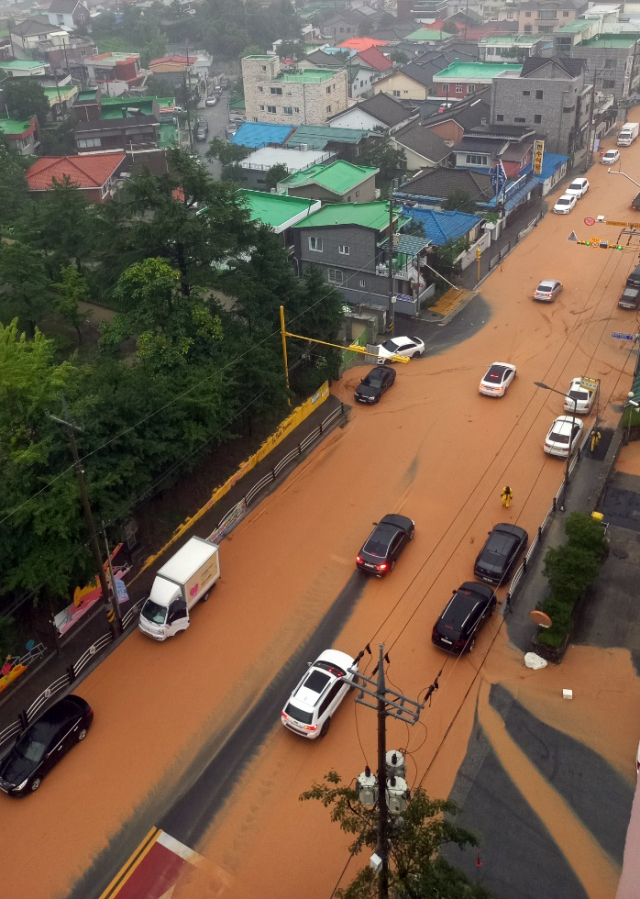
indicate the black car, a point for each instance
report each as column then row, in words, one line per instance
column 500, row 553
column 372, row 387
column 635, row 203
column 469, row 607
column 385, row 543
column 43, row 744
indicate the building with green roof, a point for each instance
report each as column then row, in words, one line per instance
column 292, row 96
column 460, row 79
column 349, row 243
column 30, row 68
column 337, row 182
column 20, row 134
column 277, row 211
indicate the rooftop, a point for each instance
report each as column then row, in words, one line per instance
column 14, row 127
column 426, row 34
column 260, row 134
column 441, row 227
column 85, row 171
column 612, row 41
column 362, row 43
column 294, row 160
column 278, row 211
column 467, row 71
column 316, row 137
column 365, row 215
column 576, row 26
column 509, row 40
column 22, row 65
column 59, row 94
column 310, row 76
column 339, row 177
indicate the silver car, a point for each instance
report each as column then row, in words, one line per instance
column 547, row 291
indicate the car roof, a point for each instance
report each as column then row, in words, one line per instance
column 513, row 529
column 551, row 282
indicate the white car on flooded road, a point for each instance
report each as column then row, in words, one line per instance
column 563, row 437
column 565, row 204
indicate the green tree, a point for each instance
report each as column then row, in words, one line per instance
column 61, row 224
column 167, row 325
column 14, row 189
column 25, row 285
column 72, row 289
column 155, row 217
column 229, row 155
column 448, row 253
column 58, row 138
column 24, row 98
column 459, row 201
column 382, row 154
column 275, row 175
column 415, row 867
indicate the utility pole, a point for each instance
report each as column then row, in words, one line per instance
column 392, row 312
column 387, row 702
column 590, row 138
column 84, row 497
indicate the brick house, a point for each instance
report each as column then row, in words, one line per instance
column 94, row 176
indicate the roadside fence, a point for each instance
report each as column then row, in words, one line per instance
column 510, row 244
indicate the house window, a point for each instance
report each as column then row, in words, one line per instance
column 296, row 109
column 272, row 110
column 608, row 83
column 445, row 88
column 334, row 276
column 264, row 68
column 526, row 93
column 474, row 159
column 539, row 95
column 357, row 193
column 315, row 244
column 344, row 250
column 510, row 15
column 458, row 88
column 519, row 121
column 328, row 90
column 262, row 106
column 287, row 110
column 395, row 93
column 260, row 90
column 363, row 283
column 328, row 108
column 537, row 120
column 276, row 90
column 499, row 118
column 610, row 63
column 84, row 143
column 528, row 15
column 565, row 14
column 527, row 29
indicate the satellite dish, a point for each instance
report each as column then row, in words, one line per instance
column 540, row 618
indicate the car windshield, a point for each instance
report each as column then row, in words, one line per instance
column 390, row 346
column 334, row 669
column 575, row 185
column 580, row 395
column 298, row 714
column 545, row 287
column 457, row 612
column 374, row 378
column 558, row 437
column 33, row 745
column 563, row 201
column 153, row 612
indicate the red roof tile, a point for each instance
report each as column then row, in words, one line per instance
column 363, row 43
column 373, row 57
column 85, row 171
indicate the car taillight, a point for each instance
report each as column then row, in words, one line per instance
column 359, row 559
column 459, row 644
column 382, row 567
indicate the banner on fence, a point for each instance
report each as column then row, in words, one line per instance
column 299, row 414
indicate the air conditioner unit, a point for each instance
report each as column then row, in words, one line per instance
column 303, row 146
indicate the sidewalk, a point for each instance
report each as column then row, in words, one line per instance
column 27, row 688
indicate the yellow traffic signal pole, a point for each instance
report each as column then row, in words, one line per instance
column 353, row 348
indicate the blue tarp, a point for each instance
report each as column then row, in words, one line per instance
column 261, row 134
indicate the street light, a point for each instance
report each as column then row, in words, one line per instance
column 573, row 424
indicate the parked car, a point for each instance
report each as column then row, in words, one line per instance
column 230, row 130
column 43, row 744
column 629, row 298
column 211, row 101
column 577, row 188
column 467, row 610
column 497, row 379
column 377, row 382
column 400, row 346
column 563, row 436
column 323, row 687
column 564, row 204
column 201, row 134
column 547, row 291
column 384, row 544
column 635, row 203
column 610, row 157
column 202, row 123
column 497, row 558
column 584, row 397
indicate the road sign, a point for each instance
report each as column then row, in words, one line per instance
column 589, row 221
column 623, row 224
column 588, row 383
column 619, row 336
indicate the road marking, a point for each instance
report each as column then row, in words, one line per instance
column 154, row 868
column 127, row 869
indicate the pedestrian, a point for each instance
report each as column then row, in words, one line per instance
column 596, row 436
column 506, row 496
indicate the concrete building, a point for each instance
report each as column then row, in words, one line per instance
column 463, row 78
column 411, row 82
column 26, row 37
column 509, row 47
column 338, row 182
column 113, row 73
column 68, row 14
column 543, row 16
column 291, row 97
column 22, row 136
column 378, row 113
column 551, row 96
column 254, row 168
column 610, row 49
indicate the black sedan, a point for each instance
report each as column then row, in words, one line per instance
column 500, row 553
column 385, row 543
column 467, row 610
column 43, row 744
column 371, row 388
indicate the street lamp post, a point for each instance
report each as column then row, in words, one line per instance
column 573, row 424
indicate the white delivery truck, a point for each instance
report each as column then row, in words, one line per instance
column 187, row 577
column 628, row 134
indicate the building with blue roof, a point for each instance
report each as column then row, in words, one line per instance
column 445, row 227
column 554, row 169
column 261, row 134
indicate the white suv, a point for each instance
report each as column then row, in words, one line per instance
column 311, row 705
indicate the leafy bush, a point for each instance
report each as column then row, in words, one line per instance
column 571, row 570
